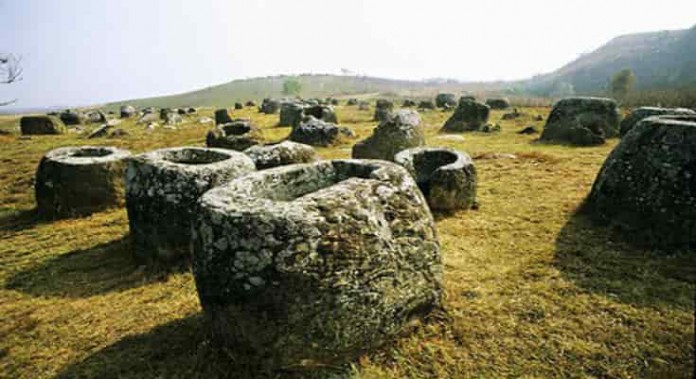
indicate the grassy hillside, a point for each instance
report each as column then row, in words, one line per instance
column 531, row 289
column 659, row 60
column 319, row 86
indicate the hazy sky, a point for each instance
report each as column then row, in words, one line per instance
column 92, row 51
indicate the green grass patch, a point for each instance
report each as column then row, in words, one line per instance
column 531, row 289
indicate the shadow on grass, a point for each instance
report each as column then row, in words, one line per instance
column 16, row 221
column 100, row 269
column 601, row 260
column 179, row 349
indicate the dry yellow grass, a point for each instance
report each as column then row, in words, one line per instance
column 532, row 290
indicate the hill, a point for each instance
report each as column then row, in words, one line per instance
column 664, row 60
column 313, row 85
column 659, row 60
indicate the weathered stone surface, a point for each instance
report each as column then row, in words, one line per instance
column 173, row 118
column 41, row 125
column 291, row 114
column 445, row 99
column 281, row 154
column 426, row 104
column 148, row 118
column 401, row 131
column 101, row 131
column 647, row 185
column 334, row 102
column 127, row 111
column 446, row 177
column 352, row 102
column 315, row 132
column 383, row 108
column 238, row 106
column 239, row 134
column 325, row 113
column 95, row 117
column 75, row 181
column 269, row 106
column 408, row 104
column 191, row 111
column 70, row 117
column 181, row 111
column 250, row 103
column 222, row 116
column 469, row 116
column 164, row 112
column 644, row 112
column 315, row 263
column 582, row 121
column 162, row 188
column 498, row 103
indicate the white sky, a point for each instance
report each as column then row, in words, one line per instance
column 92, row 51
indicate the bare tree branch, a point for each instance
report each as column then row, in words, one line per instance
column 10, row 68
column 10, row 72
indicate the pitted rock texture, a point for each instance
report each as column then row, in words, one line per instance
column 647, row 186
column 76, row 181
column 127, row 111
column 402, row 130
column 291, row 114
column 281, row 154
column 269, row 106
column 94, row 117
column 644, row 112
column 162, row 188
column 30, row 125
column 582, row 121
column 446, row 177
column 498, row 103
column 325, row 113
column 70, row 117
column 314, row 132
column 315, row 263
column 239, row 135
column 222, row 116
column 443, row 100
column 383, row 109
column 469, row 116
column 173, row 118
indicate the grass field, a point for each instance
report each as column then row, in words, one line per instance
column 531, row 289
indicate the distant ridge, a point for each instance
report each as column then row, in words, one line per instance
column 313, row 86
column 659, row 60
